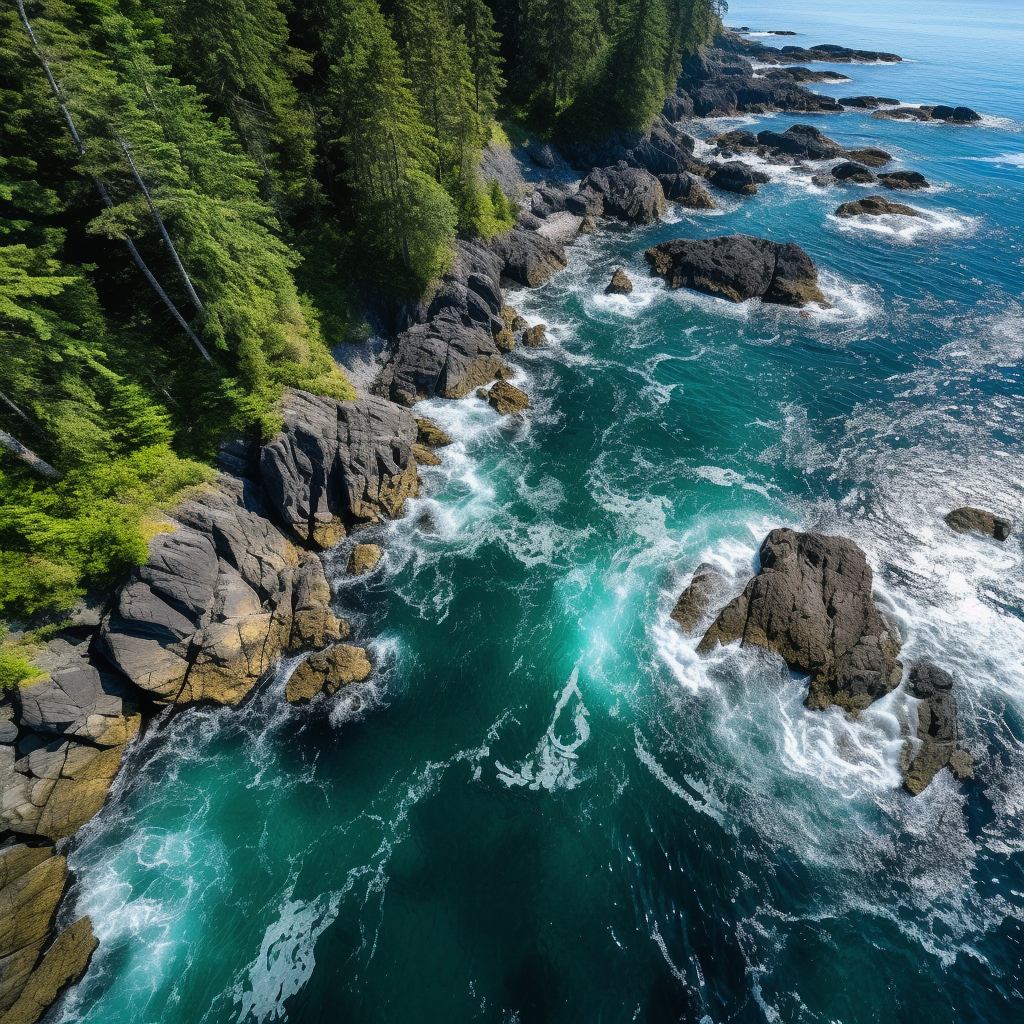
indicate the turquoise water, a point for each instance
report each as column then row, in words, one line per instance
column 544, row 807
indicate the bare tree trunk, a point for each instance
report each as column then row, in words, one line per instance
column 163, row 230
column 17, row 449
column 104, row 194
column 17, row 411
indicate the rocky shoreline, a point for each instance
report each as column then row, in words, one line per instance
column 236, row 580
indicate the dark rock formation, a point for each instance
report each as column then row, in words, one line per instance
column 632, row 193
column 528, row 258
column 685, row 190
column 506, row 398
column 937, row 729
column 739, row 267
column 803, row 75
column 811, row 602
column 904, row 181
column 976, row 520
column 821, row 52
column 941, row 112
column 868, row 102
column 870, row 157
column 444, row 357
column 534, row 337
column 695, row 602
column 327, row 672
column 875, row 206
column 850, row 171
column 801, row 140
column 620, row 284
column 664, row 149
column 736, row 176
column 471, row 290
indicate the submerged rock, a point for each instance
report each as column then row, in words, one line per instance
column 875, row 206
column 507, row 398
column 620, row 284
column 812, row 603
column 739, row 267
column 904, row 181
column 868, row 102
column 327, row 672
column 364, row 558
column 976, row 520
column 937, row 729
column 695, row 602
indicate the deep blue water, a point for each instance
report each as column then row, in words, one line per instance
column 546, row 808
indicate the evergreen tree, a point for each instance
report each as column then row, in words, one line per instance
column 404, row 217
column 635, row 74
column 483, row 42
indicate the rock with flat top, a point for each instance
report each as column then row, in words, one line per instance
column 812, row 603
column 364, row 558
column 870, row 156
column 904, row 181
column 737, row 268
column 507, row 399
column 327, row 672
column 620, row 284
column 976, row 520
column 875, row 206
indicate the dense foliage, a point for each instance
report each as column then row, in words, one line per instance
column 191, row 194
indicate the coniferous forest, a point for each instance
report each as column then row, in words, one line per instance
column 196, row 199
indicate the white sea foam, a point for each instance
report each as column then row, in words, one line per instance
column 900, row 228
column 1006, row 159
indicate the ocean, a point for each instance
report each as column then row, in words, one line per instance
column 543, row 806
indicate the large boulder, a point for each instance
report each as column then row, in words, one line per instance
column 736, row 176
column 705, row 587
column 620, row 283
column 851, row 171
column 976, row 520
column 632, row 193
column 904, row 181
column 444, row 357
column 812, row 603
column 55, row 789
column 870, row 156
column 507, row 399
column 937, row 729
column 685, row 190
column 528, row 258
column 802, row 140
column 471, row 289
column 75, row 698
column 875, row 206
column 327, row 672
column 739, row 267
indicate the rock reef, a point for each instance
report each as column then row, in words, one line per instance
column 737, row 268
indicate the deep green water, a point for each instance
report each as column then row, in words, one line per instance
column 545, row 808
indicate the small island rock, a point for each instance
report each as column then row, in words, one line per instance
column 976, row 520
column 620, row 284
column 327, row 672
column 875, row 206
column 364, row 558
column 904, row 181
column 694, row 602
column 937, row 729
column 507, row 398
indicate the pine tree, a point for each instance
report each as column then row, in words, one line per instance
column 483, row 42
column 636, row 64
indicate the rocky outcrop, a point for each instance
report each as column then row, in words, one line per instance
column 620, row 283
column 976, row 520
column 444, row 357
column 535, row 336
column 870, row 156
column 739, row 267
column 802, row 75
column 685, row 190
column 62, row 965
column 820, row 53
column 875, row 206
column 852, row 172
column 664, row 149
column 630, row 193
column 327, row 672
column 937, row 730
column 54, row 789
column 430, row 435
column 803, row 141
column 940, row 112
column 507, row 399
column 528, row 258
column 705, row 588
column 736, row 176
column 868, row 102
column 364, row 558
column 812, row 603
column 904, row 181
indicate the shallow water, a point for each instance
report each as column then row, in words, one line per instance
column 544, row 807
